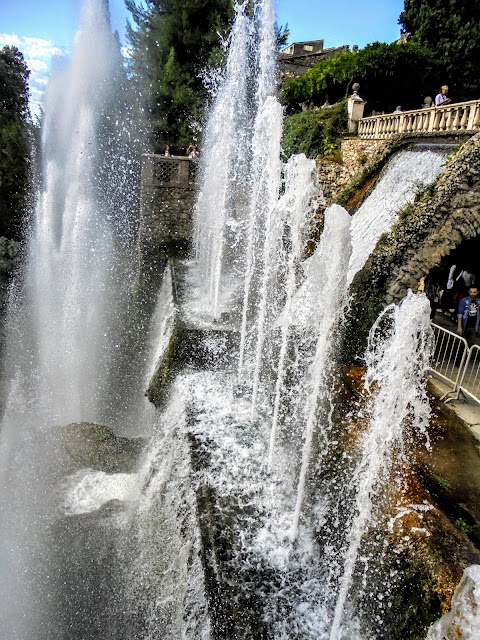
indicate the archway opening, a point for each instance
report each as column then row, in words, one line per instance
column 446, row 284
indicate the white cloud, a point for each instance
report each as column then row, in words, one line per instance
column 38, row 54
column 39, row 48
column 9, row 40
column 36, row 65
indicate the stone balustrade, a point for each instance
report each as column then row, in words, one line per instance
column 461, row 116
column 160, row 171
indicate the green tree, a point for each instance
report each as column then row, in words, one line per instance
column 451, row 30
column 14, row 140
column 172, row 43
column 389, row 75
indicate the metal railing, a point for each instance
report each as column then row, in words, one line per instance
column 173, row 171
column 470, row 380
column 456, row 364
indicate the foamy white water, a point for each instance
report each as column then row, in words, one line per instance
column 463, row 619
column 88, row 490
column 397, row 364
column 296, row 209
column 405, row 173
column 224, row 163
column 323, row 301
column 62, row 328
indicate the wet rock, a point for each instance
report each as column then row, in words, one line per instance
column 95, row 446
column 85, row 576
column 463, row 621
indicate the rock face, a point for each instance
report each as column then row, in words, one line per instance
column 463, row 621
column 443, row 216
column 95, row 446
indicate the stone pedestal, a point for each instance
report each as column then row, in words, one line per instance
column 355, row 109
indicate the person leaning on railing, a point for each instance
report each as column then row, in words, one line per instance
column 441, row 97
column 468, row 316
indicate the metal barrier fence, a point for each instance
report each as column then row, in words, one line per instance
column 470, row 380
column 456, row 364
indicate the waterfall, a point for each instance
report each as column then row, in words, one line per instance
column 232, row 523
column 397, row 364
column 407, row 172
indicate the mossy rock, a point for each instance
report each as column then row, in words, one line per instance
column 95, row 446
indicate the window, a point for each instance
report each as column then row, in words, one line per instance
column 307, row 47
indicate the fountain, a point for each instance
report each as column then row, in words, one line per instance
column 65, row 319
column 250, row 512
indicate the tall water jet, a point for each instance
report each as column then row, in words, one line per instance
column 296, row 208
column 265, row 166
column 225, row 163
column 397, row 361
column 63, row 320
column 322, row 302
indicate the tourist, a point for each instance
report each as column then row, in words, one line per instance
column 167, row 151
column 192, row 151
column 467, row 277
column 468, row 316
column 441, row 97
column 398, row 109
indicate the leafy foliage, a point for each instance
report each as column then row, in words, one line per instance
column 14, row 140
column 389, row 75
column 172, row 42
column 451, row 30
column 316, row 132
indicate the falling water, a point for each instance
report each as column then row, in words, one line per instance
column 405, row 174
column 296, row 210
column 322, row 301
column 397, row 365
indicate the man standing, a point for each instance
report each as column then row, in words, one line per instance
column 469, row 316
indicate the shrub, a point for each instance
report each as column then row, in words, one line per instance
column 316, row 132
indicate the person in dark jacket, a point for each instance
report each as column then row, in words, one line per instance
column 468, row 316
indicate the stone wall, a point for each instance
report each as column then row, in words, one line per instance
column 167, row 198
column 440, row 222
column 355, row 155
column 446, row 214
column 165, row 219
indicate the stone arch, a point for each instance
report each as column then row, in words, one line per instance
column 444, row 216
column 439, row 223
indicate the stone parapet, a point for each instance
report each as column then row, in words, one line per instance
column 167, row 198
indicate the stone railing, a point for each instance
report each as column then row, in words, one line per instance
column 161, row 171
column 462, row 116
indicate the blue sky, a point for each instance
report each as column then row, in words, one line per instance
column 42, row 29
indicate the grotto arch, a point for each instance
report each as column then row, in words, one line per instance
column 436, row 225
column 465, row 256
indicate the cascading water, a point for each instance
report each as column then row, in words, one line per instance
column 301, row 195
column 289, row 338
column 397, row 364
column 239, row 523
column 407, row 172
column 323, row 300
